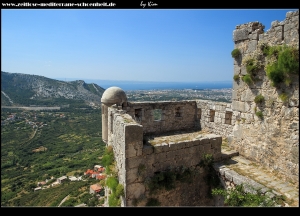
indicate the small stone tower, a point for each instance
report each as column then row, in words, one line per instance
column 112, row 95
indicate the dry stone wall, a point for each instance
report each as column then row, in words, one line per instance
column 272, row 141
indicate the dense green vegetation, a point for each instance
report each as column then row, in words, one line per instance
column 112, row 182
column 238, row 196
column 259, row 99
column 37, row 145
column 235, row 53
column 283, row 62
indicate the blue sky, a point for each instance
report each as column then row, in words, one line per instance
column 174, row 45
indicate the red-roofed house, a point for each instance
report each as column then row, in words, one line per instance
column 100, row 176
column 95, row 188
column 88, row 172
column 101, row 169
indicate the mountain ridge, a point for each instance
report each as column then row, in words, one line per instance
column 25, row 89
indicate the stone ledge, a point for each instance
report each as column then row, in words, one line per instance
column 233, row 177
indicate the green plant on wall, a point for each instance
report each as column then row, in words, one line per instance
column 236, row 77
column 264, row 47
column 283, row 97
column 259, row 99
column 252, row 66
column 117, row 191
column 282, row 62
column 239, row 197
column 235, row 53
column 253, row 62
column 247, row 79
column 259, row 114
column 112, row 181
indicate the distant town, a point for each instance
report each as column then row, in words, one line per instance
column 222, row 95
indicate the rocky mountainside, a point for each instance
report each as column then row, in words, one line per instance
column 25, row 89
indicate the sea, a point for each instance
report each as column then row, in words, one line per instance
column 152, row 85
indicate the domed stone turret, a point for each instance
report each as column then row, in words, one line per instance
column 113, row 95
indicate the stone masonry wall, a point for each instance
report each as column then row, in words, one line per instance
column 137, row 162
column 274, row 140
column 163, row 156
column 217, row 117
column 175, row 115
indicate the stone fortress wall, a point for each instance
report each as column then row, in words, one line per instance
column 272, row 142
column 137, row 161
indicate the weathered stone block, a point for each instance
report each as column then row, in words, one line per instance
column 131, row 151
column 172, row 146
column 234, row 95
column 216, row 143
column 180, row 145
column 204, row 140
column 148, row 149
column 195, row 142
column 252, row 45
column 158, row 148
column 240, row 34
column 133, row 162
column 243, row 70
column 135, row 190
column 133, row 134
column 158, row 157
column 237, row 131
column 207, row 148
column 238, row 106
column 253, row 36
column 171, row 155
column 131, row 175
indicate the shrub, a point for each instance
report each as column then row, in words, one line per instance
column 113, row 201
column 108, row 157
column 247, row 79
column 274, row 74
column 259, row 114
column 283, row 97
column 259, row 99
column 119, row 190
column 112, row 183
column 283, row 61
column 252, row 66
column 264, row 47
column 236, row 77
column 235, row 53
column 238, row 197
column 288, row 60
